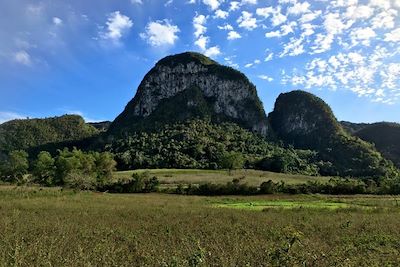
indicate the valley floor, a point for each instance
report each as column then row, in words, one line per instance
column 54, row 227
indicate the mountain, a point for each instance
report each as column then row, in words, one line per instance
column 352, row 127
column 102, row 126
column 28, row 133
column 188, row 86
column 386, row 137
column 307, row 122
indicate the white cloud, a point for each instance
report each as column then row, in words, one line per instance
column 299, row 8
column 221, row 14
column 248, row 65
column 359, row 12
column 269, row 57
column 202, row 42
column 362, row 35
column 23, row 58
column 198, row 24
column 226, row 27
column 213, row 4
column 322, row 43
column 278, row 18
column 310, row 16
column 137, row 2
column 295, row 47
column 212, row 51
column 247, row 21
column 160, row 33
column 265, row 78
column 57, row 21
column 393, row 36
column 8, row 116
column 285, row 30
column 249, row 2
column 232, row 35
column 234, row 5
column 117, row 25
column 384, row 19
column 265, row 11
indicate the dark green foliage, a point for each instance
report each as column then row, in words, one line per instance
column 140, row 183
column 336, row 186
column 44, row 169
column 386, row 137
column 77, row 167
column 198, row 144
column 232, row 161
column 305, row 121
column 24, row 134
column 14, row 167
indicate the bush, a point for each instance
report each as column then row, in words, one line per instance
column 80, row 181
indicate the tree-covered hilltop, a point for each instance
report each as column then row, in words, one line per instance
column 307, row 122
column 206, row 145
column 386, row 137
column 28, row 133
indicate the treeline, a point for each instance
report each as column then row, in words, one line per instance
column 71, row 168
column 30, row 133
column 335, row 186
column 200, row 144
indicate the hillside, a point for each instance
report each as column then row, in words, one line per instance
column 386, row 137
column 204, row 145
column 189, row 86
column 28, row 133
column 307, row 122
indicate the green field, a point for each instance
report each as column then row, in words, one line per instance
column 171, row 177
column 54, row 227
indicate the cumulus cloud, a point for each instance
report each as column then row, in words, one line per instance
column 234, row 5
column 232, row 35
column 226, row 27
column 362, row 35
column 137, row 2
column 213, row 4
column 160, row 33
column 393, row 36
column 198, row 23
column 247, row 21
column 117, row 25
column 298, row 8
column 269, row 57
column 221, row 14
column 202, row 40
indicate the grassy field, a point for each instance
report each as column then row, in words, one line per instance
column 171, row 177
column 54, row 227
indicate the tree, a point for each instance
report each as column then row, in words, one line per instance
column 105, row 166
column 16, row 166
column 44, row 169
column 232, row 161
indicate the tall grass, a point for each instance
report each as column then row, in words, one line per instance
column 67, row 228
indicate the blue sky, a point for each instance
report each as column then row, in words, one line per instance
column 88, row 57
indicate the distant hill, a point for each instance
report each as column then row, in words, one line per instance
column 191, row 86
column 101, row 126
column 352, row 128
column 28, row 133
column 307, row 122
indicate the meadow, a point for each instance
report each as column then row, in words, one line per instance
column 173, row 177
column 59, row 227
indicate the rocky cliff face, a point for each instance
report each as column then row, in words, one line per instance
column 228, row 93
column 303, row 119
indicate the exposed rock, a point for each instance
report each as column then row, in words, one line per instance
column 230, row 96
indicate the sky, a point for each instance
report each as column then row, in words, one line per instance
column 88, row 57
